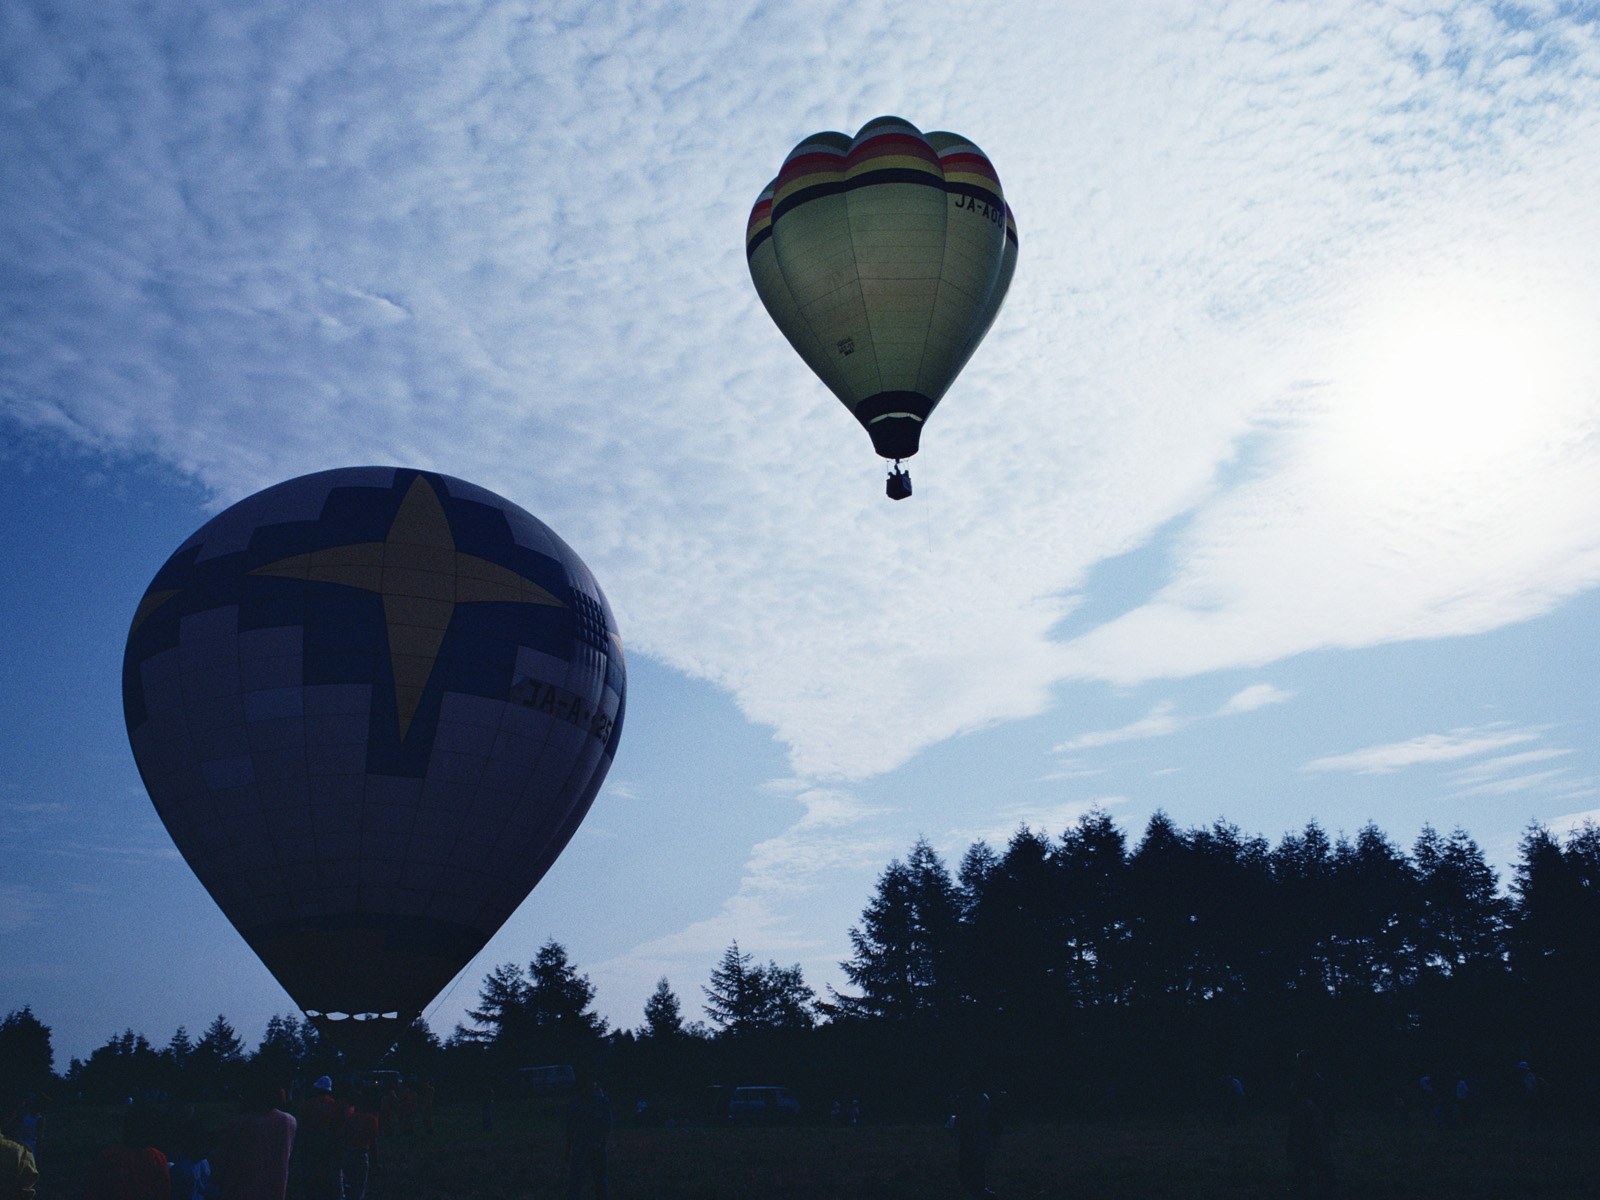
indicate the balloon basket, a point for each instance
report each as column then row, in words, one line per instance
column 898, row 485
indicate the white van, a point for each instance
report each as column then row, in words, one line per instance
column 546, row 1081
column 763, row 1105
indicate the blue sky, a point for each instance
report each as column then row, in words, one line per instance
column 1271, row 494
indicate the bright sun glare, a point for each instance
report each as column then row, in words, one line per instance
column 1455, row 375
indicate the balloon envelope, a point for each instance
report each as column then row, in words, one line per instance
column 371, row 706
column 884, row 259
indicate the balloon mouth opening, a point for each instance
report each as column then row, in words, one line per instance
column 894, row 421
column 334, row 1018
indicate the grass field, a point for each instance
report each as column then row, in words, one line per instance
column 1153, row 1157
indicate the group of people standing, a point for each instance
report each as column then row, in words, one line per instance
column 170, row 1155
column 338, row 1143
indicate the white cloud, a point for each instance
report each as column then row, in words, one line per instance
column 1257, row 695
column 1070, row 769
column 1571, row 822
column 1504, row 763
column 1512, row 785
column 1162, row 720
column 1158, row 722
column 783, row 874
column 265, row 239
column 1431, row 748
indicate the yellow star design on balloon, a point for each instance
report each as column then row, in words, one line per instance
column 422, row 577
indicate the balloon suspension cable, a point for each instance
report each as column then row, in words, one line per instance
column 898, row 485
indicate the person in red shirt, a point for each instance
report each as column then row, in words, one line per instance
column 360, row 1146
column 321, row 1137
column 251, row 1161
column 133, row 1169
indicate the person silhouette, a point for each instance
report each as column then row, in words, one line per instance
column 588, row 1130
column 251, row 1161
column 973, row 1115
column 1310, row 1151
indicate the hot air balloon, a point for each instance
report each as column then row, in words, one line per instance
column 371, row 706
column 884, row 259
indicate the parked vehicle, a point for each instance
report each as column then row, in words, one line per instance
column 552, row 1080
column 377, row 1081
column 763, row 1106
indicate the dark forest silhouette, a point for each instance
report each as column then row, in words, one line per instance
column 1086, row 974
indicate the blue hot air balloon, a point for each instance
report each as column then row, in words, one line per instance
column 371, row 706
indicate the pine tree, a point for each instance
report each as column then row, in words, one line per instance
column 501, row 1003
column 728, row 998
column 905, row 944
column 781, row 999
column 1091, row 865
column 180, row 1047
column 745, row 998
column 220, row 1043
column 1461, row 918
column 663, row 1014
column 279, row 1051
column 558, row 998
column 27, row 1061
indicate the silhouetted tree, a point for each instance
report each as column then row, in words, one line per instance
column 977, row 865
column 279, row 1052
column 180, row 1047
column 558, row 1000
column 214, row 1065
column 125, row 1067
column 663, row 1014
column 730, row 1000
column 1162, row 900
column 1229, row 878
column 744, row 998
column 1554, row 940
column 1375, row 891
column 1461, row 918
column 417, row 1051
column 27, row 1061
column 783, row 999
column 501, row 1001
column 905, row 943
column 1301, row 945
column 1091, row 865
column 538, row 1014
column 1011, row 939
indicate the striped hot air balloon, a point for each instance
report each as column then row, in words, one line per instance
column 884, row 259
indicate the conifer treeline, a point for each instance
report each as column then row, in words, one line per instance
column 1092, row 968
column 1081, row 971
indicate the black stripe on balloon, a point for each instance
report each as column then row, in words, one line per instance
column 979, row 193
column 836, row 187
column 754, row 243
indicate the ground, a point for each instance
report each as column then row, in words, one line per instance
column 1194, row 1157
